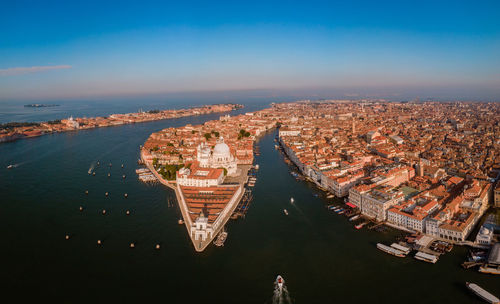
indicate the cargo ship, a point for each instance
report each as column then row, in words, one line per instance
column 483, row 294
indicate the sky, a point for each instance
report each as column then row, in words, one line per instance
column 354, row 49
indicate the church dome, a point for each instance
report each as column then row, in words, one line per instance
column 221, row 148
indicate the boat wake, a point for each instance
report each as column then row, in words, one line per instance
column 281, row 295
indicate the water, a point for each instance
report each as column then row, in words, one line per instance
column 319, row 253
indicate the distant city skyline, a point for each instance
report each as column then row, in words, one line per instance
column 60, row 50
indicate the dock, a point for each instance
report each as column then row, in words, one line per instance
column 243, row 206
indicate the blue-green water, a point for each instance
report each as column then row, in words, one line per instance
column 321, row 256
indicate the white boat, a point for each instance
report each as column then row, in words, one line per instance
column 422, row 256
column 285, row 211
column 291, row 200
column 354, row 218
column 390, row 250
column 221, row 238
column 10, row 166
column 401, row 248
column 330, row 196
column 280, row 282
column 483, row 294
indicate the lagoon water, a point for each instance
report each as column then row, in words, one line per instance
column 321, row 256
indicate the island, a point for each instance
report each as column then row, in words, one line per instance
column 40, row 105
column 17, row 130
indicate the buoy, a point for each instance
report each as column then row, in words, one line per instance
column 126, row 195
column 86, row 191
column 132, row 245
column 104, row 211
column 81, row 208
column 157, row 246
column 99, row 242
column 128, row 212
column 123, row 175
column 67, row 236
column 107, row 193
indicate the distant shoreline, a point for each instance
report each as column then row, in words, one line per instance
column 16, row 130
column 39, row 105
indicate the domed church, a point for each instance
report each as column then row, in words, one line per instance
column 220, row 157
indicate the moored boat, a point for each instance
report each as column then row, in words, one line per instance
column 401, row 248
column 285, row 211
column 483, row 294
column 359, row 226
column 390, row 250
column 422, row 256
column 491, row 269
column 354, row 218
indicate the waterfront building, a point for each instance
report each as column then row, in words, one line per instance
column 199, row 177
column 376, row 202
column 413, row 213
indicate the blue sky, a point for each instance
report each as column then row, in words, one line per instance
column 70, row 49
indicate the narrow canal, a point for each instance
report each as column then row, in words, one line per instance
column 321, row 256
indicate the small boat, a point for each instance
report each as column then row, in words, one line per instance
column 483, row 294
column 330, row 196
column 280, row 282
column 359, row 226
column 10, row 166
column 291, row 200
column 90, row 171
column 354, row 218
column 221, row 238
column 491, row 269
column 180, row 221
column 341, row 212
column 285, row 211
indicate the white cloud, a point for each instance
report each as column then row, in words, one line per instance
column 33, row 69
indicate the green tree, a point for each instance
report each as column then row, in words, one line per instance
column 207, row 136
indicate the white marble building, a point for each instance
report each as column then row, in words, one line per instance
column 220, row 157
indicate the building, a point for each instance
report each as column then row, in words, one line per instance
column 220, row 157
column 200, row 177
column 376, row 202
column 413, row 213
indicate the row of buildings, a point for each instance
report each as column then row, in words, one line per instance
column 426, row 167
column 14, row 131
